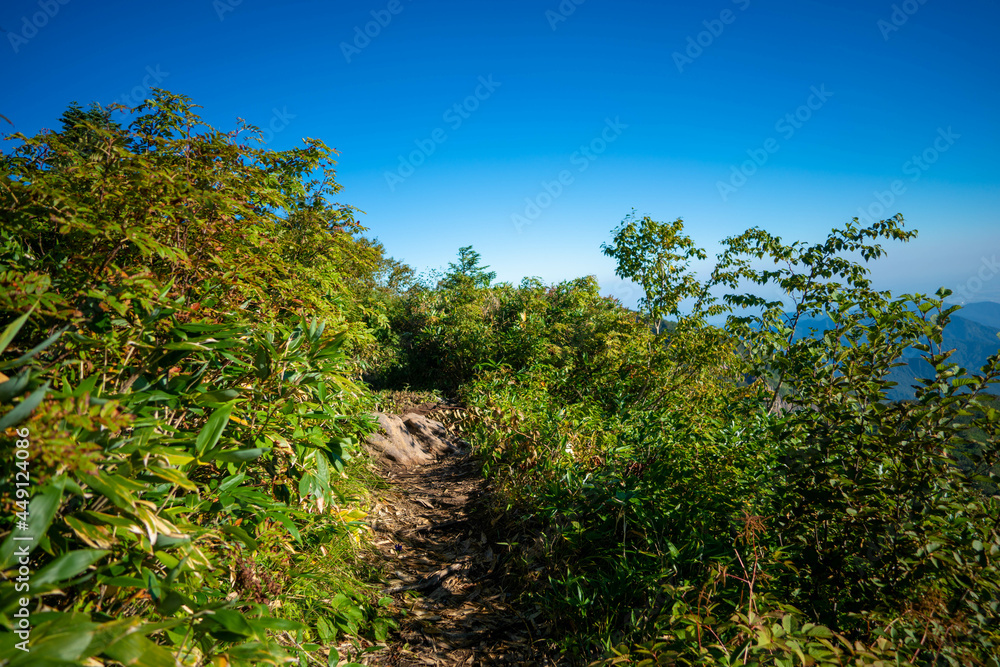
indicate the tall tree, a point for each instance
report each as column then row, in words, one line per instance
column 467, row 272
column 656, row 255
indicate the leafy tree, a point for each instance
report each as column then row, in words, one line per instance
column 85, row 130
column 657, row 256
column 467, row 272
column 868, row 501
column 815, row 278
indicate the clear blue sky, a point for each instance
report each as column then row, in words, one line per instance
column 632, row 104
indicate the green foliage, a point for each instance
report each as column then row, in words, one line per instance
column 188, row 429
column 657, row 256
column 185, row 318
column 887, row 535
column 467, row 273
column 447, row 337
column 669, row 514
column 816, row 278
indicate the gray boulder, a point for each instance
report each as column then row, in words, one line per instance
column 394, row 442
column 432, row 435
column 411, row 439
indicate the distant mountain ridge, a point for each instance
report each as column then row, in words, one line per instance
column 972, row 332
column 983, row 312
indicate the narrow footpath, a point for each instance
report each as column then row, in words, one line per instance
column 441, row 563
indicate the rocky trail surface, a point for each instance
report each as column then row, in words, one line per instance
column 442, row 564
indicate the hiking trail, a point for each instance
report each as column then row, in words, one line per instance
column 441, row 563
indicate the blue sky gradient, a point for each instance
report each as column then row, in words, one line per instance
column 457, row 121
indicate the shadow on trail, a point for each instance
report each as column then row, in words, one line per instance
column 442, row 567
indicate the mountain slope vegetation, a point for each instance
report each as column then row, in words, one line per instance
column 193, row 335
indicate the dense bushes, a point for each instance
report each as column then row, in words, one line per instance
column 446, row 336
column 177, row 318
column 670, row 515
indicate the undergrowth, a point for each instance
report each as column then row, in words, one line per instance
column 181, row 349
column 665, row 511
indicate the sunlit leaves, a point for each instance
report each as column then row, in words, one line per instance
column 155, row 273
column 657, row 256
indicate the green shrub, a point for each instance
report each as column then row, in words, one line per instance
column 689, row 521
column 188, row 429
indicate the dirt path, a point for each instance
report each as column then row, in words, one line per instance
column 444, row 570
